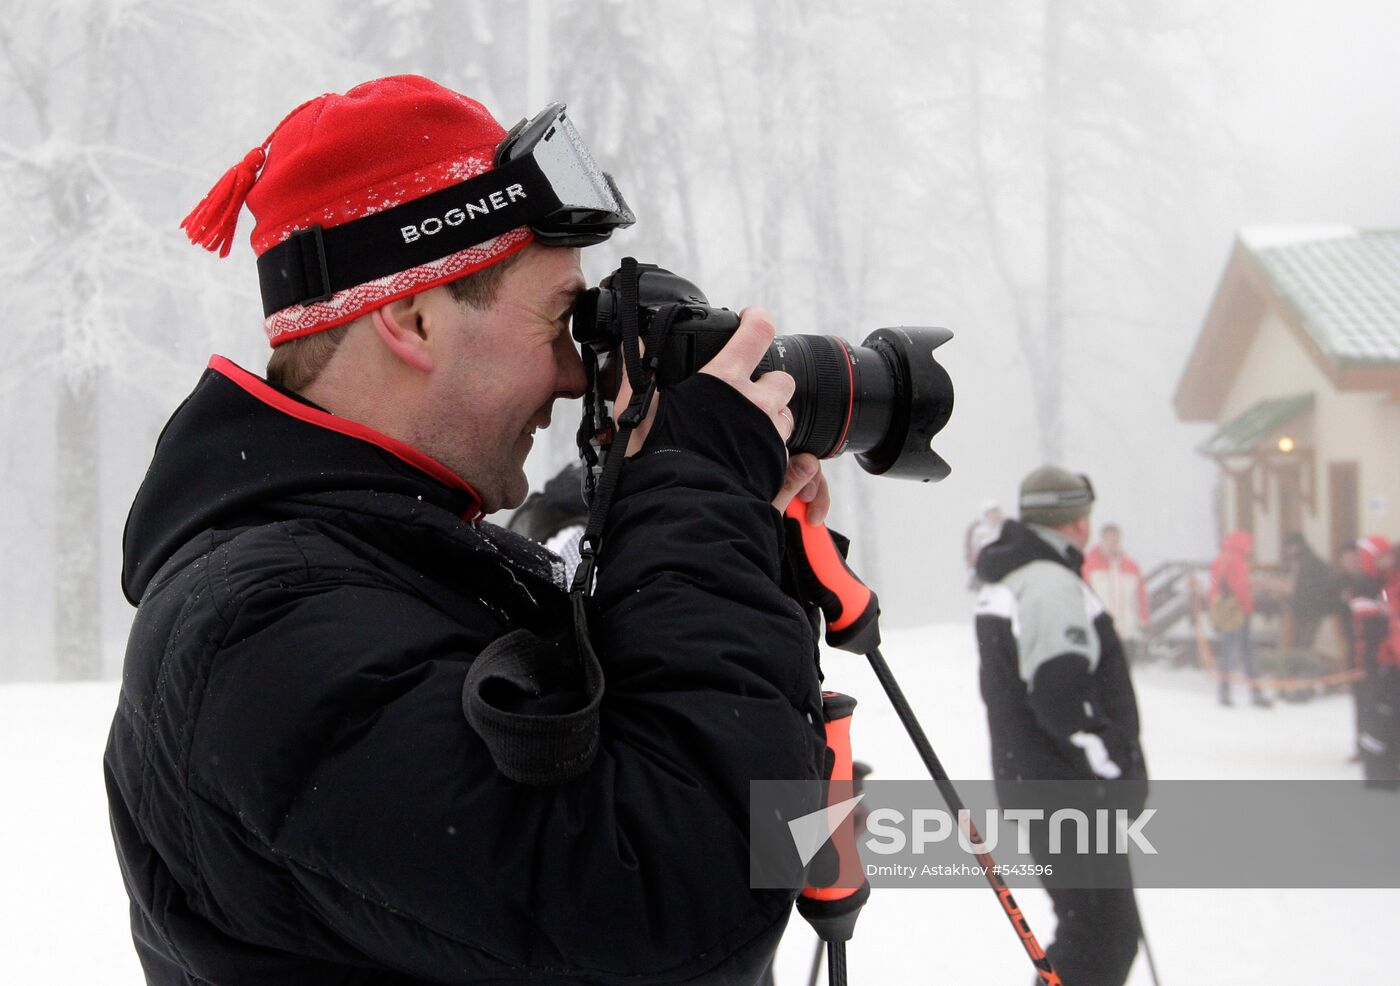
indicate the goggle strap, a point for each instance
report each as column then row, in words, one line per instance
column 315, row 263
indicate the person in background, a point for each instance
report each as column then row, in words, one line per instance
column 1349, row 570
column 556, row 516
column 980, row 533
column 1370, row 626
column 1317, row 590
column 1229, row 580
column 1375, row 558
column 1061, row 707
column 1118, row 581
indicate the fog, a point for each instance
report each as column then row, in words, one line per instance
column 847, row 165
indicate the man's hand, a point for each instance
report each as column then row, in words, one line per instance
column 734, row 364
column 1097, row 754
column 805, row 481
column 770, row 393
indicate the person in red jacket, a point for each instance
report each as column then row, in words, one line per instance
column 1117, row 580
column 1375, row 636
column 1229, row 577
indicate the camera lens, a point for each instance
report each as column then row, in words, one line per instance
column 884, row 399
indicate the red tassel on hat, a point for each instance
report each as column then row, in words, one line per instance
column 213, row 222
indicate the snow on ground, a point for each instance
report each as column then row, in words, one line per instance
column 64, row 911
column 62, row 906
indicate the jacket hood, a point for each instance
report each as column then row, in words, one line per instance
column 1238, row 542
column 1018, row 546
column 238, row 444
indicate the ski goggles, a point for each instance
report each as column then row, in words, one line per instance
column 543, row 177
column 1082, row 497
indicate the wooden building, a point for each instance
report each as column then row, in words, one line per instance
column 1298, row 364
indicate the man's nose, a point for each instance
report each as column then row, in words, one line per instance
column 571, row 381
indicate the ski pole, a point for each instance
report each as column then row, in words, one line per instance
column 859, row 771
column 1147, row 951
column 836, row 888
column 1142, row 937
column 817, row 963
column 852, row 614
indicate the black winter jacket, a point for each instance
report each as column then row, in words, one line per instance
column 295, row 794
column 1052, row 664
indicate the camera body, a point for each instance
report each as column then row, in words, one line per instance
column 698, row 335
column 884, row 399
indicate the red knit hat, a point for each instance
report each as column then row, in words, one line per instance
column 339, row 158
column 1369, row 551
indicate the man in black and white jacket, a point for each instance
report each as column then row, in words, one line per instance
column 1060, row 705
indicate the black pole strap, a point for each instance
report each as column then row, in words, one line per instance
column 507, row 699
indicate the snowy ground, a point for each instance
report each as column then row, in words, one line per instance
column 63, row 910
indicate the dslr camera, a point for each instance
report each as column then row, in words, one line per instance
column 884, row 400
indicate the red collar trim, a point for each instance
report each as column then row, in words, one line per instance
column 263, row 391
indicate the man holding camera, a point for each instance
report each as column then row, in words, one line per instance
column 1061, row 707
column 296, row 793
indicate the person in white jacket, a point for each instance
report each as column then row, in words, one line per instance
column 1117, row 580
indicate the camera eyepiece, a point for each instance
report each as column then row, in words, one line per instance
column 884, row 400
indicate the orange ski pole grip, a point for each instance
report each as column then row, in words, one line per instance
column 848, row 606
column 836, row 885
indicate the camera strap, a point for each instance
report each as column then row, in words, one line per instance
column 641, row 374
column 549, row 748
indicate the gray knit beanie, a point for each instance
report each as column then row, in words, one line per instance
column 1052, row 496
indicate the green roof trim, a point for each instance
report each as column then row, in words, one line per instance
column 1243, row 434
column 1344, row 284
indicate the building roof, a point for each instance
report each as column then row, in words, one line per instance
column 1344, row 285
column 1243, row 434
column 1336, row 289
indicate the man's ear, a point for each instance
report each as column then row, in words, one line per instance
column 399, row 325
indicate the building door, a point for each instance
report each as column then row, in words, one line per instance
column 1344, row 503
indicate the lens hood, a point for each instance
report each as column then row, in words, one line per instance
column 922, row 406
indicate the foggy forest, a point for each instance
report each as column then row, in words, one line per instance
column 1059, row 183
column 1084, row 192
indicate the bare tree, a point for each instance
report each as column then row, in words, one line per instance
column 93, row 252
column 63, row 175
column 1062, row 153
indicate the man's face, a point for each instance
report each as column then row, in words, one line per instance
column 1112, row 543
column 500, row 371
column 1079, row 532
